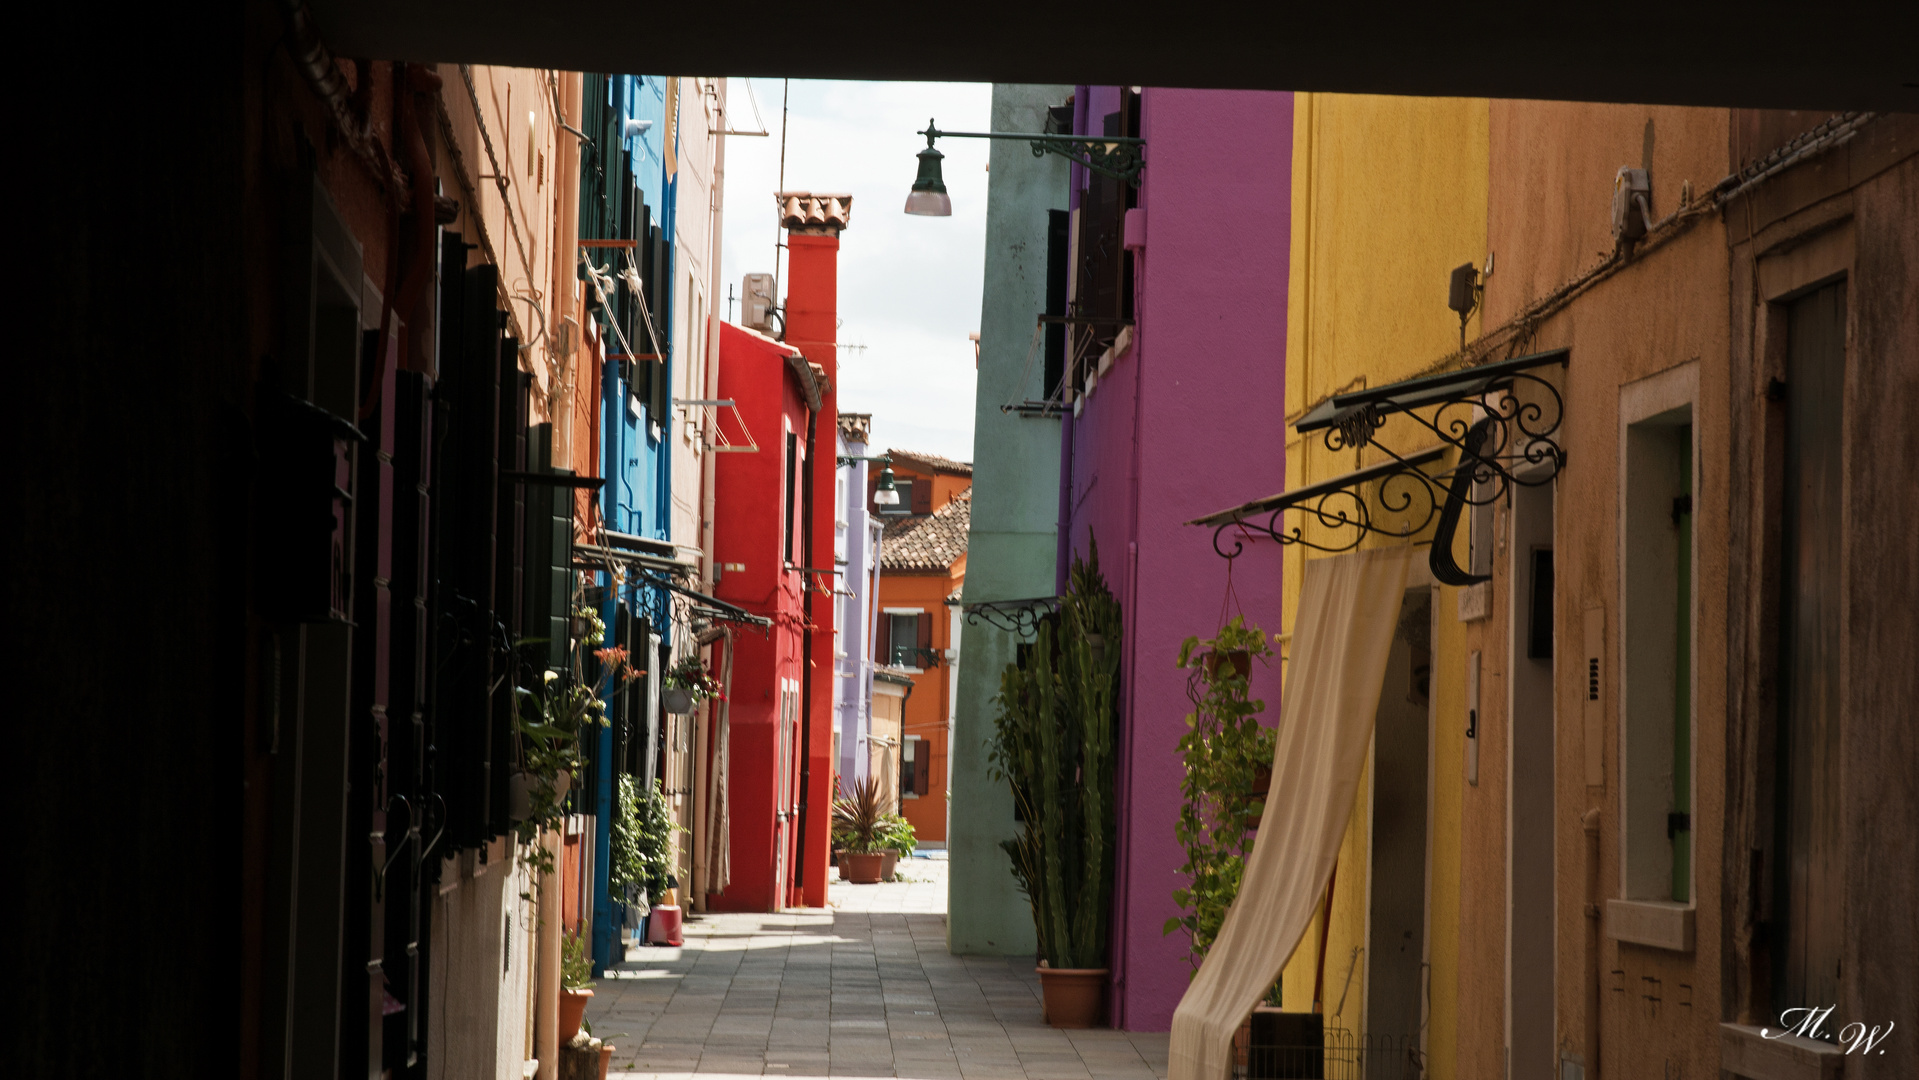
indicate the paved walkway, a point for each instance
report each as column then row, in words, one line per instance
column 863, row 988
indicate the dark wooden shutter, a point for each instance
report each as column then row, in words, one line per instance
column 883, row 639
column 1058, row 252
column 923, row 495
column 922, row 768
column 925, row 621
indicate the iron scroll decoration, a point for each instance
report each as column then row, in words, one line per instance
column 1021, row 617
column 1501, row 418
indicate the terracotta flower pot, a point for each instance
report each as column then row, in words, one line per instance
column 861, row 867
column 1073, row 997
column 888, row 861
column 572, row 1011
column 606, row 1059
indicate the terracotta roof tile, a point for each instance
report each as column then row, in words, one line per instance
column 928, row 541
column 818, row 213
column 932, row 462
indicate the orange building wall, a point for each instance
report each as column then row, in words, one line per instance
column 930, row 703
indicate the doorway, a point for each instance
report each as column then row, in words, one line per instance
column 1530, row 1049
column 1396, row 908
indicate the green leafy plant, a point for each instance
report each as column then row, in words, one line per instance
column 641, row 848
column 692, row 676
column 576, row 966
column 1227, row 754
column 896, row 835
column 857, row 813
column 551, row 722
column 1053, row 743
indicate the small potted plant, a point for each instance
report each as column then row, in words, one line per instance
column 686, row 685
column 897, row 842
column 576, row 985
column 857, row 815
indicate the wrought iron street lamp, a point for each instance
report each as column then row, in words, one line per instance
column 1118, row 156
column 888, row 493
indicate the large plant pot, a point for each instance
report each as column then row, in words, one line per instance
column 676, row 700
column 1073, row 997
column 861, row 868
column 606, row 1058
column 888, row 861
column 572, row 1011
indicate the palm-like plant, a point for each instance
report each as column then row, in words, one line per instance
column 858, row 815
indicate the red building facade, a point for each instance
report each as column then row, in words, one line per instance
column 773, row 541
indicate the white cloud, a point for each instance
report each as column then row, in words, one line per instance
column 909, row 287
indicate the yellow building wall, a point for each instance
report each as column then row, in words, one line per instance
column 1389, row 195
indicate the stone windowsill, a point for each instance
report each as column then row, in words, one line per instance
column 1661, row 924
column 1744, row 1052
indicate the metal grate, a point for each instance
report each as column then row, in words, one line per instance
column 1342, row 1055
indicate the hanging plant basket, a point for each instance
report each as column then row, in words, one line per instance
column 677, row 700
column 1240, row 660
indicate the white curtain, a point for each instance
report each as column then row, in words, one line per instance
column 1348, row 610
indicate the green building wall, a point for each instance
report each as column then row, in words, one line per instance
column 1011, row 550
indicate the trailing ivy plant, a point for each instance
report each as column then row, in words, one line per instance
column 641, row 842
column 552, row 722
column 1054, row 743
column 1225, row 749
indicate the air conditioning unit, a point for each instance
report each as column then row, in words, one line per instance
column 756, row 303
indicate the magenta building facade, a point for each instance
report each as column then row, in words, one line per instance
column 1187, row 418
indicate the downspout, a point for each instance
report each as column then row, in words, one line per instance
column 806, row 650
column 709, row 505
column 602, row 910
column 1591, row 823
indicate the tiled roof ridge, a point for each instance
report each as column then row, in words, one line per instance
column 934, row 461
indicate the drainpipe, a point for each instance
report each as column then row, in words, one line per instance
column 806, row 651
column 546, row 1005
column 1591, row 823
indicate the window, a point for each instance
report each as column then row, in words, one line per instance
column 1656, row 641
column 792, row 489
column 903, row 636
column 905, row 505
column 916, row 762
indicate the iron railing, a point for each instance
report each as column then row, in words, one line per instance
column 1341, row 1055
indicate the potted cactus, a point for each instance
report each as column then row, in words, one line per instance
column 1054, row 745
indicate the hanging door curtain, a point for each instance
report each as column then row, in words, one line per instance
column 1348, row 610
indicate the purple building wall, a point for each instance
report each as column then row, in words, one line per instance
column 1188, row 422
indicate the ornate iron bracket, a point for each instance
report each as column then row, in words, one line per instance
column 1502, row 419
column 1118, row 156
column 1021, row 617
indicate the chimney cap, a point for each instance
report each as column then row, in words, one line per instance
column 808, row 213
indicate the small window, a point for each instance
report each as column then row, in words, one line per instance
column 792, row 489
column 905, row 505
column 903, row 635
column 915, row 767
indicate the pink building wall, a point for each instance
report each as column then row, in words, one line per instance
column 1189, row 422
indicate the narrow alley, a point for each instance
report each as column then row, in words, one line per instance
column 864, row 988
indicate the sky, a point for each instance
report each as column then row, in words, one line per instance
column 909, row 286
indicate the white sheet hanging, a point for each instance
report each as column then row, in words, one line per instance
column 1348, row 611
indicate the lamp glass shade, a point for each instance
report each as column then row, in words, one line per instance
column 929, row 204
column 928, row 197
column 888, row 493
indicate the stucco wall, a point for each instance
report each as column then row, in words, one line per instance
column 1011, row 543
column 927, row 708
column 1389, row 195
column 1185, row 424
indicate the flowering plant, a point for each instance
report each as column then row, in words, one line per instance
column 552, row 721
column 692, row 676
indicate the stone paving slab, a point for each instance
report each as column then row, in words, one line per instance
column 864, row 988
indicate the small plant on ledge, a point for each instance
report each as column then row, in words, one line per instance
column 1228, row 756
